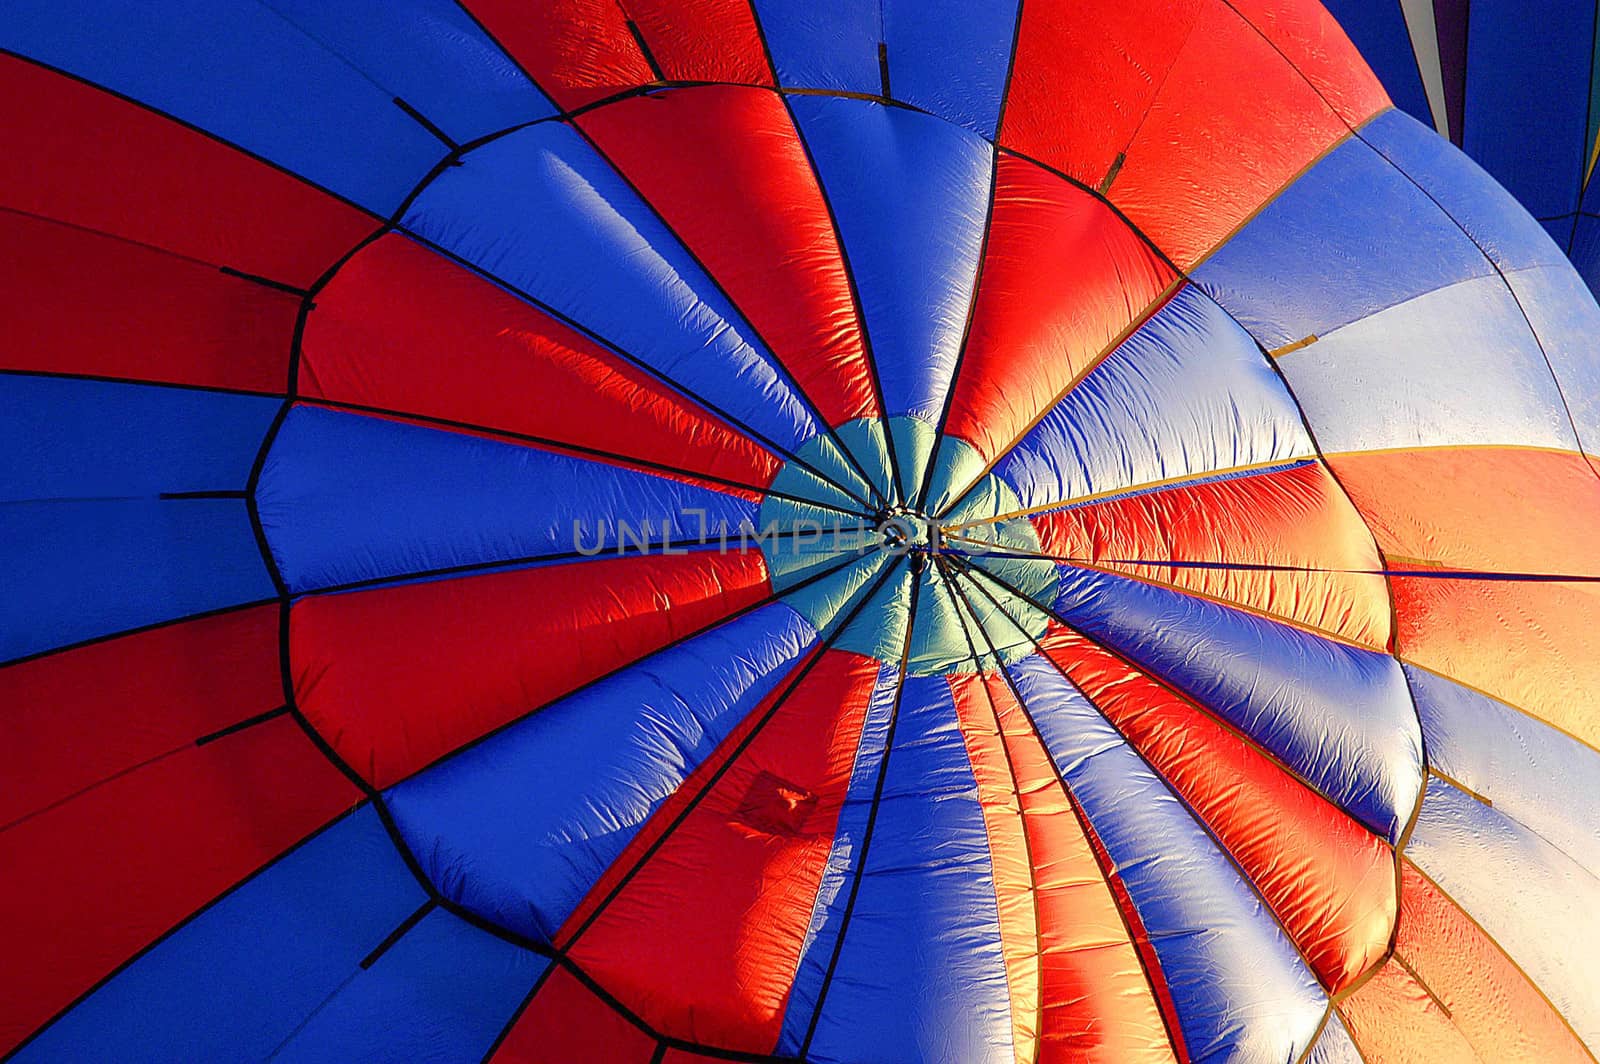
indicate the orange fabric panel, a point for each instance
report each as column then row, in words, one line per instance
column 1329, row 881
column 566, row 1022
column 1084, row 77
column 1392, row 1020
column 1495, row 509
column 703, row 940
column 1311, row 39
column 1535, row 645
column 1295, row 517
column 1091, row 1000
column 1201, row 165
column 1010, row 860
column 1495, row 1006
column 727, row 171
column 1030, row 341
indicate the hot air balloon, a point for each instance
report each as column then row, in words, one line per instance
column 694, row 530
column 1512, row 84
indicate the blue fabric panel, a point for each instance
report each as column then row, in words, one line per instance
column 951, row 57
column 90, row 547
column 81, row 570
column 1538, row 776
column 1520, row 123
column 911, row 194
column 1241, row 991
column 545, row 214
column 1566, row 321
column 1538, row 904
column 922, row 972
column 540, row 810
column 429, row 53
column 83, row 439
column 1495, row 221
column 1335, row 1046
column 1338, row 715
column 824, row 44
column 1586, row 248
column 244, row 74
column 1351, row 236
column 440, row 995
column 827, row 912
column 1188, row 393
column 236, row 981
column 345, row 497
column 1378, row 30
column 1457, row 366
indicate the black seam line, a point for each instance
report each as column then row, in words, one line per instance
column 643, row 46
column 1568, row 214
column 678, row 547
column 175, row 929
column 148, row 108
column 174, row 496
column 1002, row 551
column 660, row 1054
column 155, row 249
column 775, row 596
column 780, row 370
column 953, row 589
column 248, row 722
column 86, row 788
column 109, row 636
column 1588, row 125
column 796, row 677
column 422, row 120
column 1091, row 838
column 759, row 437
column 550, row 444
column 883, row 70
column 872, row 819
column 109, row 379
column 1172, row 788
column 265, row 282
column 517, row 1013
column 1050, row 614
column 939, row 428
column 399, row 932
column 844, row 259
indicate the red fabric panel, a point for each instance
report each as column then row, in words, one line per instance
column 397, row 677
column 725, row 168
column 703, row 40
column 1311, row 39
column 75, row 718
column 378, row 329
column 1079, row 993
column 1063, row 280
column 159, row 183
column 77, row 302
column 704, row 939
column 1085, row 75
column 577, row 51
column 565, row 1023
column 1296, row 517
column 94, row 880
column 1330, row 882
column 1232, row 125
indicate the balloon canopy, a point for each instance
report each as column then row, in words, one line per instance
column 694, row 530
column 1513, row 84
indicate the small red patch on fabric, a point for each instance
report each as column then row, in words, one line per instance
column 775, row 806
